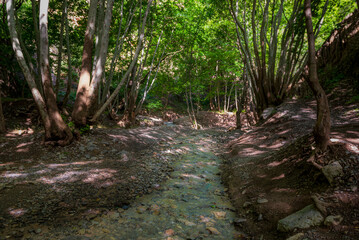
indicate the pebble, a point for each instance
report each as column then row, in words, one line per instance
column 220, row 215
column 262, row 200
column 141, row 209
column 213, row 230
column 247, row 204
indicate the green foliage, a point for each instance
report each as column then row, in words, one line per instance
column 83, row 130
column 154, row 105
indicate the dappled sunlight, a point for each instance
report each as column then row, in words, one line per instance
column 191, row 176
column 13, row 175
column 281, row 190
column 91, row 176
column 57, row 165
column 6, row 164
column 279, row 177
column 17, row 212
column 277, row 163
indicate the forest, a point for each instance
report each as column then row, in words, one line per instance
column 187, row 119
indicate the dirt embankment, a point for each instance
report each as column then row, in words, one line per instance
column 270, row 173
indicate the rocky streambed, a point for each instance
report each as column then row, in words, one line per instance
column 191, row 204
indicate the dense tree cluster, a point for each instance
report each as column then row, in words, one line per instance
column 100, row 56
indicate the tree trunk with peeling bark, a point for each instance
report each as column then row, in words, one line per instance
column 79, row 113
column 60, row 132
column 322, row 126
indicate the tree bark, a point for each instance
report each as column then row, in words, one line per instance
column 2, row 119
column 322, row 126
column 130, row 68
column 37, row 41
column 40, row 103
column 69, row 63
column 59, row 57
column 60, row 132
column 79, row 113
column 100, row 65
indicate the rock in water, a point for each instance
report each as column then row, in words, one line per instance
column 298, row 236
column 333, row 220
column 305, row 218
column 332, row 171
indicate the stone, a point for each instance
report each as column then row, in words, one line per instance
column 298, row 236
column 169, row 232
column 220, row 215
column 333, row 220
column 332, row 171
column 247, row 204
column 155, row 209
column 240, row 220
column 305, row 218
column 141, row 209
column 262, row 200
column 213, row 230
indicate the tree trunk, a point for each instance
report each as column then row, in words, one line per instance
column 37, row 41
column 2, row 119
column 60, row 132
column 69, row 63
column 40, row 103
column 79, row 113
column 322, row 126
column 130, row 68
column 59, row 56
column 100, row 65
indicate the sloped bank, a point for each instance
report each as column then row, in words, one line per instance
column 272, row 174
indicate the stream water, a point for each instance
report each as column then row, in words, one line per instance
column 191, row 204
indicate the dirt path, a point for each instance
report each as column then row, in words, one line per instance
column 192, row 204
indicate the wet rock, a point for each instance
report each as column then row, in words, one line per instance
column 155, row 209
column 298, row 236
column 220, row 215
column 332, row 171
column 239, row 220
column 247, row 204
column 305, row 218
column 169, row 232
column 141, row 209
column 333, row 220
column 213, row 230
column 262, row 200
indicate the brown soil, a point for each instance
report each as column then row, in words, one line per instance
column 274, row 161
column 43, row 186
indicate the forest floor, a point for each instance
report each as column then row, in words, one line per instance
column 163, row 182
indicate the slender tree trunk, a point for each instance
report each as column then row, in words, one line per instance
column 59, row 130
column 79, row 113
column 59, row 57
column 40, row 103
column 129, row 70
column 2, row 119
column 37, row 41
column 100, row 65
column 322, row 126
column 69, row 63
